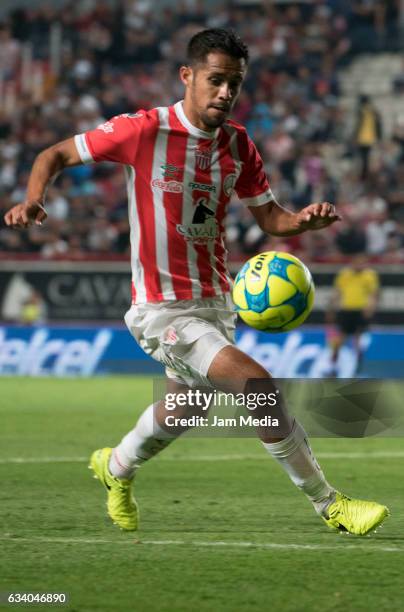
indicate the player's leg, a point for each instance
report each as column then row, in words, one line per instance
column 357, row 346
column 116, row 467
column 344, row 332
column 200, row 348
column 336, row 343
column 294, row 453
column 150, row 435
column 360, row 328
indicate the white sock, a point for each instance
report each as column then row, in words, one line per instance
column 139, row 445
column 297, row 459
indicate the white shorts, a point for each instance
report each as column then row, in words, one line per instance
column 185, row 336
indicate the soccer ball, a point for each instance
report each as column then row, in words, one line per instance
column 273, row 292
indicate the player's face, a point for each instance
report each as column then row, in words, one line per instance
column 212, row 89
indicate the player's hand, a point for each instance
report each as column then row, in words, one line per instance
column 317, row 216
column 25, row 214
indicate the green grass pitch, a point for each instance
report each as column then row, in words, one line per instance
column 222, row 528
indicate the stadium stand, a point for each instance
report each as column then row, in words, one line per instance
column 65, row 69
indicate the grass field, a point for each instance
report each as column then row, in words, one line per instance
column 222, row 528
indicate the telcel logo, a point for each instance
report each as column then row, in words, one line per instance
column 42, row 356
column 296, row 357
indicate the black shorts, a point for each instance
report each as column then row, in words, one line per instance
column 351, row 322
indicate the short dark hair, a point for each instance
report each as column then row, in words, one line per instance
column 216, row 39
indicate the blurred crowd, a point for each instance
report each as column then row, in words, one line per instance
column 66, row 70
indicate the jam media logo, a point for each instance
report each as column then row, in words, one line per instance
column 204, row 226
column 170, row 186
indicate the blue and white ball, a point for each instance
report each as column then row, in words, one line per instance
column 273, row 292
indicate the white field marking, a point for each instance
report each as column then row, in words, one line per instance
column 213, row 544
column 232, row 457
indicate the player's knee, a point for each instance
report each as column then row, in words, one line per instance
column 231, row 368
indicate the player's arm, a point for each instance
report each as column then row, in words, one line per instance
column 46, row 166
column 254, row 191
column 276, row 220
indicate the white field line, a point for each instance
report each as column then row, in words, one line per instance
column 213, row 544
column 231, row 457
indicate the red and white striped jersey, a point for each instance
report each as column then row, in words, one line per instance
column 180, row 180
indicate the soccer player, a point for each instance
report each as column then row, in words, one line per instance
column 182, row 164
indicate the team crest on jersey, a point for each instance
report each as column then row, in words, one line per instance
column 203, row 156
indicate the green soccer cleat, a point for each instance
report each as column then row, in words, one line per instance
column 122, row 507
column 355, row 515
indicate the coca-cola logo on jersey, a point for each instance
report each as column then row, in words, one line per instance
column 171, row 186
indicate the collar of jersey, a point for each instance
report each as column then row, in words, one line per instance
column 179, row 111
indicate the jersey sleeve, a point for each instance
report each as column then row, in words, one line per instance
column 116, row 140
column 252, row 186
